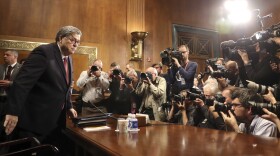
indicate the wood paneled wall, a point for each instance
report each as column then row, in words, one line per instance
column 104, row 23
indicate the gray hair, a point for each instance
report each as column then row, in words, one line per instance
column 66, row 31
column 15, row 53
column 213, row 87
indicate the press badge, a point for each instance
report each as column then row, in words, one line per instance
column 183, row 82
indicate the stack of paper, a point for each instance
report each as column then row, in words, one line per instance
column 99, row 128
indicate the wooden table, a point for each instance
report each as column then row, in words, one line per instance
column 172, row 140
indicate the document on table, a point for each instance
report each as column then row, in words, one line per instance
column 98, row 128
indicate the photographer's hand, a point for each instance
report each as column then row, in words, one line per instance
column 181, row 106
column 176, row 62
column 270, row 116
column 244, row 56
column 231, row 121
column 269, row 97
column 199, row 102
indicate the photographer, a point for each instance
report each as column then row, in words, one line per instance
column 205, row 115
column 153, row 90
column 243, row 113
column 261, row 71
column 181, row 73
column 180, row 103
column 115, row 76
column 93, row 83
column 130, row 101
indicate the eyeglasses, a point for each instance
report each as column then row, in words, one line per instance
column 183, row 51
column 235, row 105
column 73, row 40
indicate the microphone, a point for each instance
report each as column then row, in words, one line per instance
column 106, row 114
column 229, row 43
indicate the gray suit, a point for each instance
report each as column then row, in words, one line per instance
column 3, row 92
column 14, row 73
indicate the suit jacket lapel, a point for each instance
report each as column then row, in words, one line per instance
column 15, row 71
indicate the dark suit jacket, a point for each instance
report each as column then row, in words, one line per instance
column 40, row 90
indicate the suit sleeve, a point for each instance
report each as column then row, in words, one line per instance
column 27, row 77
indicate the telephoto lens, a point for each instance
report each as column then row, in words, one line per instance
column 257, row 108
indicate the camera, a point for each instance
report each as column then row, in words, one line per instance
column 166, row 105
column 220, row 73
column 192, row 96
column 117, row 72
column 229, row 48
column 127, row 80
column 221, row 107
column 178, row 98
column 146, row 75
column 167, row 54
column 257, row 108
column 220, row 98
column 94, row 69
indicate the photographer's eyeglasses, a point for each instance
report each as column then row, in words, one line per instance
column 73, row 40
column 235, row 105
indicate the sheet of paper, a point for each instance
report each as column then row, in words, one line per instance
column 99, row 128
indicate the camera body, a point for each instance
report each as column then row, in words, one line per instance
column 127, row 80
column 167, row 54
column 221, row 107
column 144, row 76
column 116, row 72
column 94, row 68
column 179, row 98
column 192, row 96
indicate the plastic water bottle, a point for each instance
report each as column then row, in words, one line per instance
column 133, row 123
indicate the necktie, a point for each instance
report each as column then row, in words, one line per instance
column 65, row 62
column 8, row 74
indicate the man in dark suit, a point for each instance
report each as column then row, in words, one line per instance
column 40, row 95
column 8, row 72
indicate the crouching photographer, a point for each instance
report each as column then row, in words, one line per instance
column 130, row 101
column 204, row 114
column 244, row 109
column 179, row 108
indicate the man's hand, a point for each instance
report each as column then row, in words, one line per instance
column 243, row 54
column 5, row 83
column 72, row 113
column 10, row 123
column 230, row 121
column 199, row 102
column 270, row 116
column 270, row 97
column 181, row 106
column 176, row 62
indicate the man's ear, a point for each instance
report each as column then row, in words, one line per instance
column 250, row 109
